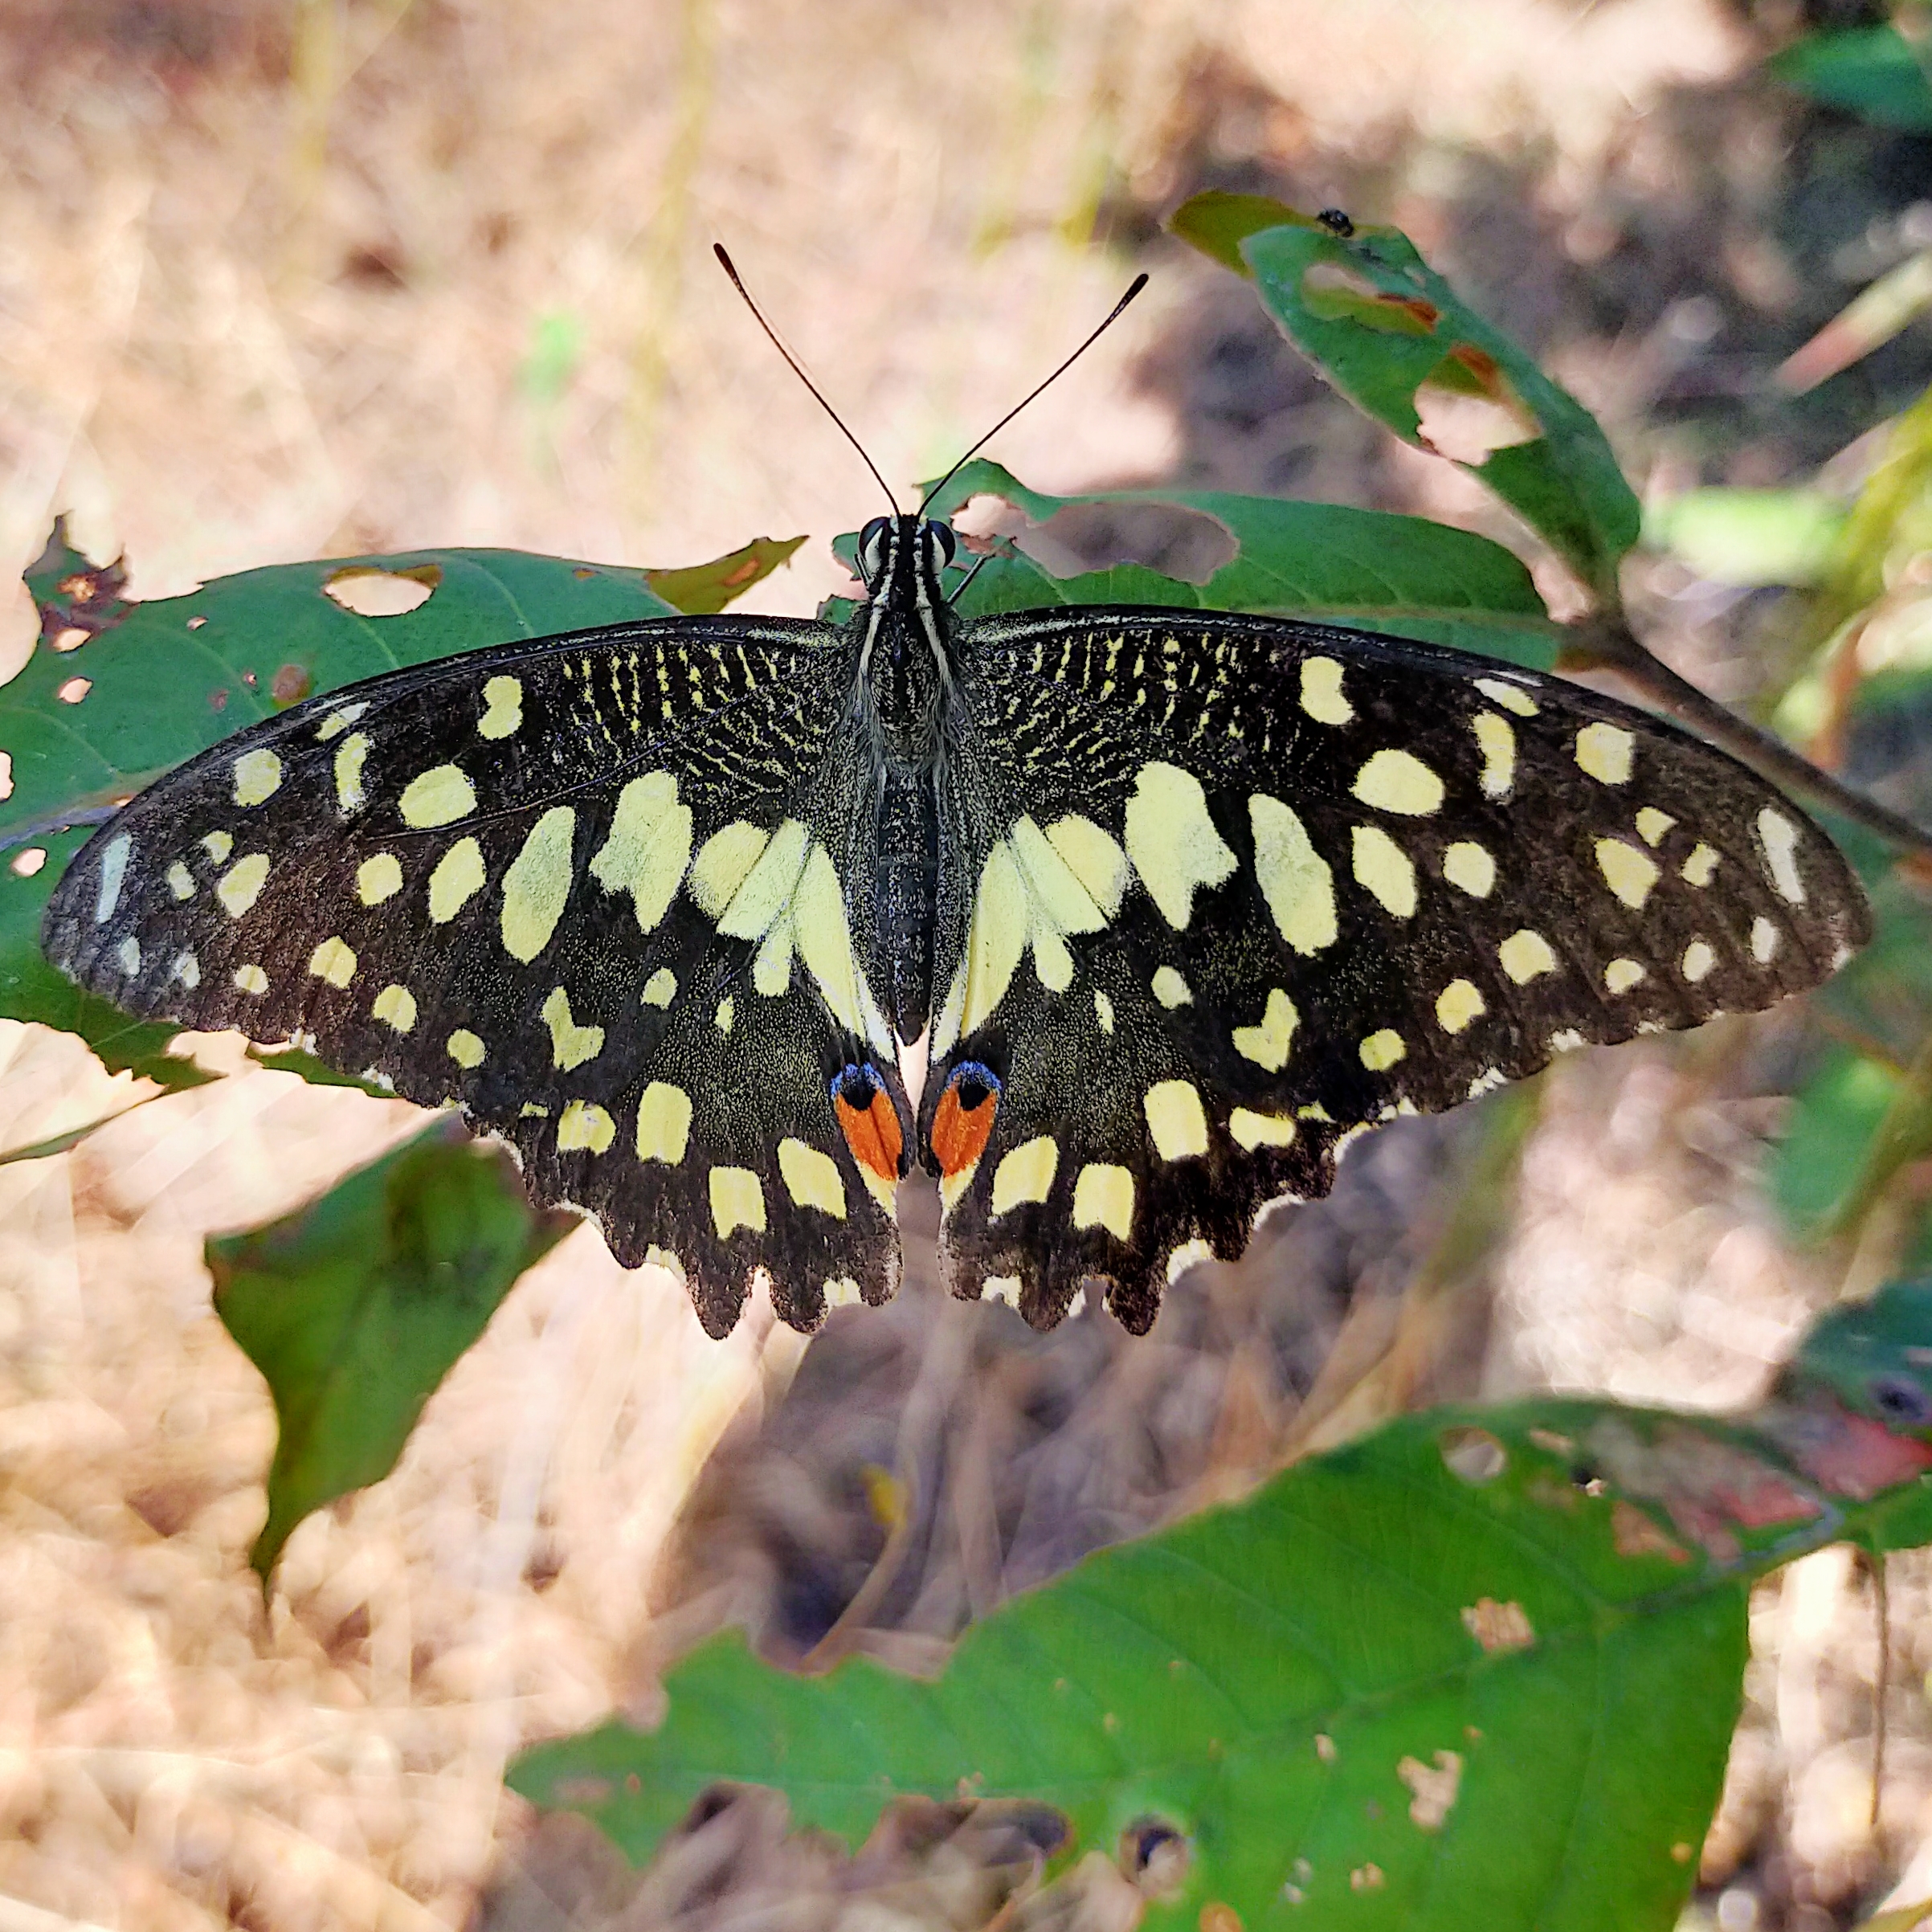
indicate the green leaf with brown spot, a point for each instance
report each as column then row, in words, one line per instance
column 1395, row 338
column 355, row 1307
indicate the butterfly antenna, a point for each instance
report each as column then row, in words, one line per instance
column 798, row 369
column 1114, row 315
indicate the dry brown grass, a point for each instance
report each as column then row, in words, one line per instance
column 276, row 283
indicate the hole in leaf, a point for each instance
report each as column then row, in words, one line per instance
column 26, row 863
column 370, row 592
column 1474, row 1455
column 1156, row 1857
column 1335, row 292
column 1467, row 409
column 1168, row 537
column 71, row 639
column 6, row 774
column 74, row 690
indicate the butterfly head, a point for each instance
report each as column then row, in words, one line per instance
column 900, row 559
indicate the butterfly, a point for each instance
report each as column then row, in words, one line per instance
column 1169, row 907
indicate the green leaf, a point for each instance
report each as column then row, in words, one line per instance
column 355, row 1307
column 1404, row 575
column 1822, row 1158
column 1498, row 1692
column 149, row 684
column 1396, row 339
column 1869, row 71
column 1749, row 537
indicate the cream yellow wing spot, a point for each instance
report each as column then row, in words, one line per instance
column 1606, row 752
column 1094, row 858
column 127, row 956
column 395, row 1006
column 181, row 881
column 1381, row 1050
column 842, row 1291
column 1496, row 742
column 647, row 849
column 1653, row 824
column 1322, row 696
column 1470, row 869
column 1172, row 840
column 1780, row 838
column 1176, row 1120
column 1457, row 1005
column 457, row 878
column 1267, row 1044
column 661, row 989
column 218, row 845
column 1629, row 873
column 1697, row 960
column 812, row 1178
column 1512, row 697
column 241, row 885
column 251, row 978
column 464, row 1048
column 438, row 796
column 538, row 884
column 1249, row 1129
column 113, row 870
column 737, row 1200
column 1399, row 782
column 995, row 942
column 723, row 863
column 1297, row 882
column 1525, row 955
column 351, row 755
column 1171, row 989
column 338, row 721
column 377, row 878
column 1384, row 869
column 187, row 970
column 333, row 962
column 767, row 890
column 1764, row 940
column 1103, row 1011
column 570, row 1044
column 1701, row 867
column 1103, row 1197
column 1620, row 975
column 1025, row 1175
column 727, row 1012
column 663, row 1123
column 503, row 708
column 585, row 1127
column 258, row 776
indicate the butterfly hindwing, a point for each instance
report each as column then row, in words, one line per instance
column 1231, row 890
column 592, row 890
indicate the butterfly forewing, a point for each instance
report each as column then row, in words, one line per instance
column 592, row 890
column 1229, row 890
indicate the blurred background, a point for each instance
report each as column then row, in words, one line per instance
column 282, row 278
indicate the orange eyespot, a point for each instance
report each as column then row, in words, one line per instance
column 963, row 1120
column 869, row 1121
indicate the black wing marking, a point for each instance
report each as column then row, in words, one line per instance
column 589, row 889
column 1226, row 891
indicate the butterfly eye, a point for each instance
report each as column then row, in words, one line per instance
column 1902, row 1401
column 962, row 1123
column 941, row 545
column 872, row 548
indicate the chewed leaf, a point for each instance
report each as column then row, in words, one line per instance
column 1481, row 1653
column 1218, row 551
column 1395, row 337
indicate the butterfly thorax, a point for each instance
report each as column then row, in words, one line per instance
column 904, row 685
